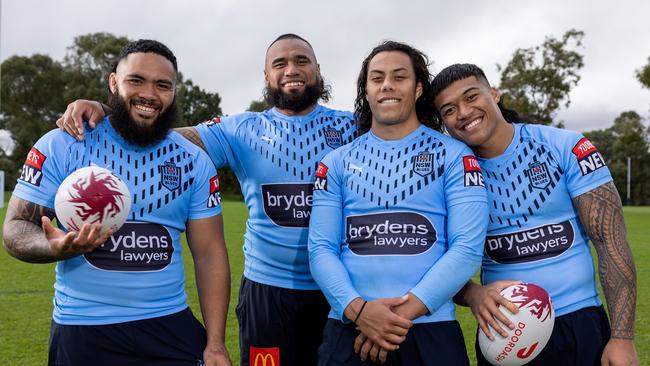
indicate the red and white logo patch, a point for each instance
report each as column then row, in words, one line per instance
column 473, row 174
column 264, row 356
column 589, row 159
column 32, row 169
column 320, row 184
column 214, row 199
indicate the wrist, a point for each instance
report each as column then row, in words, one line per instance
column 352, row 310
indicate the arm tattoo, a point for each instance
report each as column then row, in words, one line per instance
column 601, row 215
column 22, row 233
column 191, row 134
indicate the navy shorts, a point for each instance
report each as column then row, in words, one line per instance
column 578, row 339
column 176, row 339
column 279, row 326
column 438, row 343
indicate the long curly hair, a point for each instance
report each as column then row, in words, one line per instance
column 424, row 107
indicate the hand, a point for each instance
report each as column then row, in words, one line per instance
column 619, row 352
column 72, row 119
column 65, row 245
column 412, row 308
column 216, row 355
column 379, row 323
column 365, row 347
column 484, row 302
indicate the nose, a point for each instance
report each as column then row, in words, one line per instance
column 464, row 110
column 386, row 85
column 290, row 69
column 148, row 91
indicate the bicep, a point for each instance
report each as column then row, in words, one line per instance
column 601, row 212
column 205, row 235
column 191, row 134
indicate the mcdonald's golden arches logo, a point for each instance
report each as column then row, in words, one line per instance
column 265, row 356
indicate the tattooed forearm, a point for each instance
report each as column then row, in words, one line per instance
column 191, row 134
column 22, row 233
column 602, row 216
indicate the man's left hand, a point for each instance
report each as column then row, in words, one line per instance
column 216, row 355
column 619, row 352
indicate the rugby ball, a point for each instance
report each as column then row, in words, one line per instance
column 533, row 327
column 92, row 195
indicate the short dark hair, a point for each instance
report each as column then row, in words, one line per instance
column 455, row 72
column 145, row 46
column 424, row 107
column 289, row 36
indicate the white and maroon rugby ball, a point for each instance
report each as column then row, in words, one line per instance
column 92, row 195
column 533, row 327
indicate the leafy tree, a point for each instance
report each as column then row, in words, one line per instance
column 536, row 82
column 194, row 103
column 643, row 75
column 627, row 137
column 258, row 106
column 31, row 103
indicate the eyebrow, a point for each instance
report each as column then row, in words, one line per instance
column 472, row 88
column 298, row 57
column 138, row 76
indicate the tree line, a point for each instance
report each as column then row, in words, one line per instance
column 536, row 82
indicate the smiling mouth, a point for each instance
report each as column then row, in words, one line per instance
column 470, row 126
column 388, row 100
column 291, row 84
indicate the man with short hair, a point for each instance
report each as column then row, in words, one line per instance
column 117, row 302
column 391, row 239
column 550, row 193
column 274, row 155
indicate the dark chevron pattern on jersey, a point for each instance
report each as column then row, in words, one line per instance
column 138, row 169
column 513, row 198
column 386, row 176
column 295, row 147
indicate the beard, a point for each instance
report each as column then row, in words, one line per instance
column 135, row 133
column 295, row 102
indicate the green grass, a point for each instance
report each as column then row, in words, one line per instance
column 26, row 293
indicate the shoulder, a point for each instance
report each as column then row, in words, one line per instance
column 188, row 147
column 450, row 144
column 549, row 135
column 336, row 113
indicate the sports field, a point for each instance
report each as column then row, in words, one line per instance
column 26, row 293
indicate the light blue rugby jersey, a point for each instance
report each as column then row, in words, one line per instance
column 534, row 232
column 274, row 157
column 392, row 217
column 138, row 273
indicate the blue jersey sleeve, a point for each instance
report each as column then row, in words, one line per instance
column 44, row 169
column 584, row 165
column 466, row 198
column 325, row 237
column 206, row 199
column 217, row 135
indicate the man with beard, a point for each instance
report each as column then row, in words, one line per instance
column 120, row 300
column 274, row 155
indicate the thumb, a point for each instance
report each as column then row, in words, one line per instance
column 47, row 226
column 397, row 301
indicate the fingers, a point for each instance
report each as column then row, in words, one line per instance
column 383, row 355
column 365, row 349
column 374, row 353
column 359, row 341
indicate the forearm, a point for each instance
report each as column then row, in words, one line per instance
column 601, row 214
column 22, row 233
column 461, row 298
column 213, row 285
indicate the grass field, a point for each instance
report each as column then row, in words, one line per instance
column 26, row 293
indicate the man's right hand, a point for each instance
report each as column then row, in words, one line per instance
column 485, row 301
column 65, row 245
column 72, row 120
column 381, row 325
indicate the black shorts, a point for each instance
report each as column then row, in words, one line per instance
column 176, row 339
column 578, row 339
column 281, row 324
column 438, row 343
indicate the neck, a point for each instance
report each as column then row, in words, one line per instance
column 292, row 113
column 497, row 143
column 394, row 131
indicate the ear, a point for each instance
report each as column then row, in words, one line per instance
column 266, row 77
column 496, row 96
column 418, row 90
column 112, row 82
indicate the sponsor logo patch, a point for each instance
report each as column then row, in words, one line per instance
column 288, row 204
column 321, row 178
column 214, row 199
column 423, row 163
column 530, row 245
column 264, row 356
column 538, row 175
column 589, row 159
column 391, row 233
column 333, row 137
column 170, row 175
column 135, row 247
column 32, row 171
column 473, row 175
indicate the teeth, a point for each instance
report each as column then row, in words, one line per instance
column 472, row 124
column 144, row 108
column 389, row 100
column 294, row 83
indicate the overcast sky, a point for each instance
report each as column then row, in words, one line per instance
column 220, row 44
